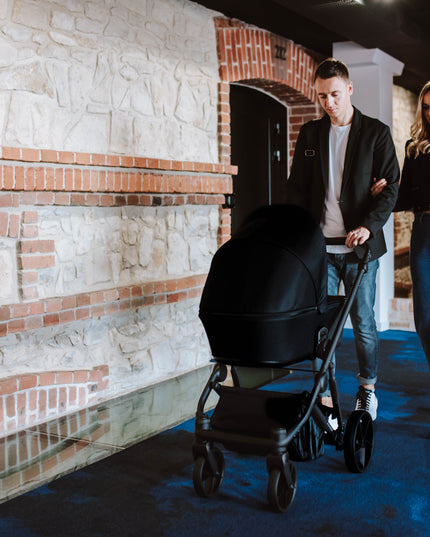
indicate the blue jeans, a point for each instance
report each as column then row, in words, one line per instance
column 362, row 311
column 420, row 271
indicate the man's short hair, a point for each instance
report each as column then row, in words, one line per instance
column 330, row 68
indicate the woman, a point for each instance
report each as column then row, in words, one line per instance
column 414, row 194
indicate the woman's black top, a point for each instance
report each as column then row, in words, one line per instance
column 414, row 191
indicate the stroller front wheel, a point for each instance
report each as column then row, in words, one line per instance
column 279, row 492
column 358, row 441
column 207, row 480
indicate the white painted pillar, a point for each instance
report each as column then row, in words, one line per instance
column 372, row 72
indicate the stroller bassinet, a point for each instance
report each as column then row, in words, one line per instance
column 265, row 305
column 266, row 292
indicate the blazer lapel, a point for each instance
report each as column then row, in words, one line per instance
column 354, row 134
column 324, row 134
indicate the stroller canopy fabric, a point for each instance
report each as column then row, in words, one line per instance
column 274, row 265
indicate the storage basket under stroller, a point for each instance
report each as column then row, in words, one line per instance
column 265, row 310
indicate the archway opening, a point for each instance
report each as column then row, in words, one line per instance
column 259, row 147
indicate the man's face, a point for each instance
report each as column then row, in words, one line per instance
column 334, row 95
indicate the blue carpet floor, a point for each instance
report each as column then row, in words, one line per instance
column 147, row 490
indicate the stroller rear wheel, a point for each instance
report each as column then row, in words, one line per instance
column 358, row 441
column 207, row 480
column 279, row 492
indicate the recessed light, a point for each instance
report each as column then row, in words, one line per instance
column 342, row 3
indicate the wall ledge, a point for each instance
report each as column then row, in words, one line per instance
column 28, row 154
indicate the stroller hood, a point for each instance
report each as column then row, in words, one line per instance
column 275, row 265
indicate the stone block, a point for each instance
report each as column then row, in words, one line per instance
column 4, row 7
column 89, row 133
column 121, row 130
column 30, row 77
column 163, row 358
column 146, row 246
column 94, row 333
column 88, row 26
column 8, row 53
column 139, row 6
column 63, row 39
column 30, row 14
column 119, row 28
column 62, row 20
column 8, row 272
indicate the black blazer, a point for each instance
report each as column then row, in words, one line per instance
column 414, row 191
column 370, row 153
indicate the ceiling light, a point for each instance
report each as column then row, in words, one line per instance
column 341, row 3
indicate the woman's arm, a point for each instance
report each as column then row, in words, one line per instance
column 404, row 200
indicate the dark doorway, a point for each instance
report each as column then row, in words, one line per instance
column 259, row 149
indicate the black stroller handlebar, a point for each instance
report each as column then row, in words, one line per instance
column 335, row 241
column 362, row 251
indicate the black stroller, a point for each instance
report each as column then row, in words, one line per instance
column 265, row 309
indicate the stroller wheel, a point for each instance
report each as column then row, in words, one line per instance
column 358, row 441
column 207, row 481
column 279, row 492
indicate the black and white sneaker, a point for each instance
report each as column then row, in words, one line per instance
column 328, row 412
column 332, row 421
column 366, row 400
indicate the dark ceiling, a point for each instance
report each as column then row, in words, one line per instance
column 401, row 28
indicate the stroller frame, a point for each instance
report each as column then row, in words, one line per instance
column 355, row 438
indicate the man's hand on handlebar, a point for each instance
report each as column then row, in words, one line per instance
column 357, row 236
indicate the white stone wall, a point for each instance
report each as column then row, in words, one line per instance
column 104, row 248
column 141, row 347
column 116, row 77
column 135, row 77
column 108, row 248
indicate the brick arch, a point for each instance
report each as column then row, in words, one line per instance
column 276, row 64
column 270, row 63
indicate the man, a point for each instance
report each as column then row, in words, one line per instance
column 345, row 172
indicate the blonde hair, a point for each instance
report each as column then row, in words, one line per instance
column 420, row 128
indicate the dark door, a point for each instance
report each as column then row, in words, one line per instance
column 259, row 149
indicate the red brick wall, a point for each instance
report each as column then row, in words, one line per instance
column 27, row 399
column 54, row 311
